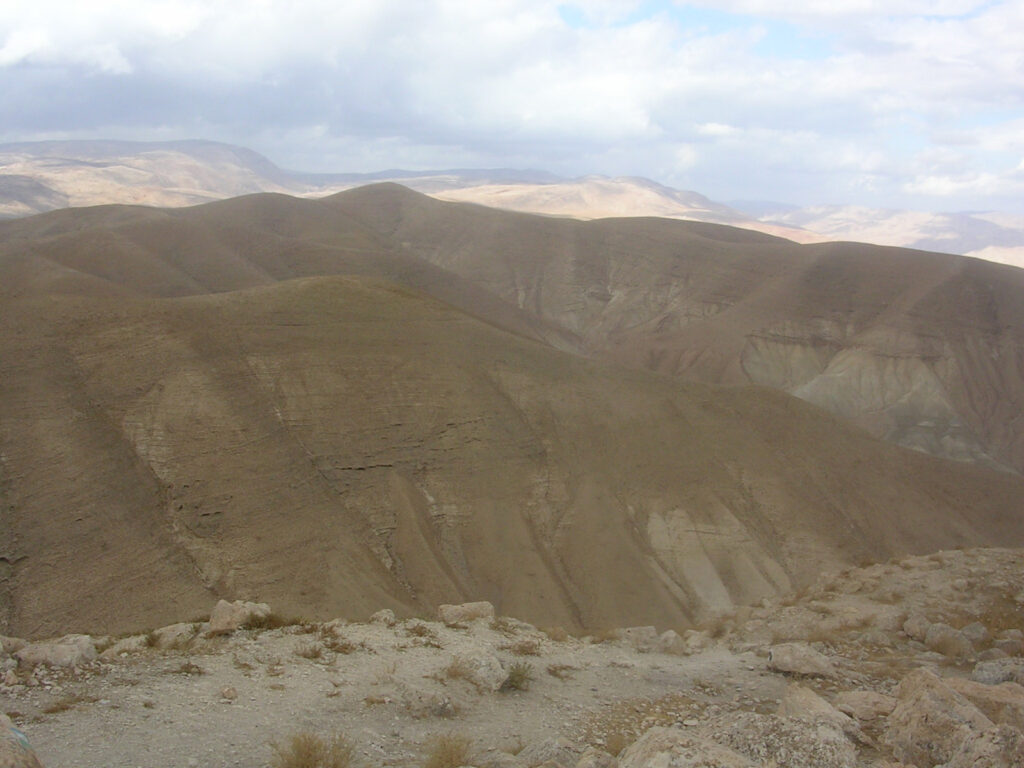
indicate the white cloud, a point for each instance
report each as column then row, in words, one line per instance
column 510, row 82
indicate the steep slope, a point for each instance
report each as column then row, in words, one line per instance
column 923, row 349
column 337, row 444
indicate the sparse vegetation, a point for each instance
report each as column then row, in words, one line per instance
column 519, row 676
column 561, row 671
column 311, row 651
column 307, row 750
column 525, row 647
column 448, row 751
column 187, row 668
column 67, row 702
column 504, row 625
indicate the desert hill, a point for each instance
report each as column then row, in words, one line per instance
column 47, row 175
column 366, row 401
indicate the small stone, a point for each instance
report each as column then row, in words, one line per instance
column 457, row 614
column 798, row 658
column 691, row 721
column 229, row 693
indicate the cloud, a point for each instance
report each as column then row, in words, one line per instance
column 722, row 102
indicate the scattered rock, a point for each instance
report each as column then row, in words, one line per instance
column 999, row 671
column 456, row 614
column 800, row 659
column 1002, row 703
column 133, row 644
column 930, row 720
column 67, row 651
column 864, row 706
column 977, row 633
column 943, row 639
column 1001, row 747
column 173, row 636
column 228, row 693
column 671, row 642
column 596, row 758
column 495, row 758
column 676, row 748
column 916, row 627
column 227, row 617
column 481, row 668
column 384, row 617
column 11, row 644
column 786, row 741
column 802, row 702
column 560, row 751
column 643, row 639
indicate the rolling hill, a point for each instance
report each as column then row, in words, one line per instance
column 378, row 399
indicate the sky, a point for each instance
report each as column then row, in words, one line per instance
column 887, row 103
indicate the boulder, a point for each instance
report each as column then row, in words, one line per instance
column 930, row 721
column 457, row 614
column 480, row 667
column 916, row 627
column 1010, row 642
column 999, row 671
column 385, row 617
column 67, row 651
column 864, row 706
column 1001, row 747
column 802, row 702
column 172, row 636
column 227, row 617
column 596, row 758
column 11, row 644
column 496, row 758
column 943, row 639
column 785, row 741
column 977, row 633
column 676, row 748
column 670, row 642
column 15, row 751
column 559, row 751
column 643, row 639
column 798, row 658
column 126, row 645
column 1002, row 703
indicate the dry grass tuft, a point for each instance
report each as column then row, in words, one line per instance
column 67, row 702
column 519, row 676
column 187, row 668
column 310, row 651
column 448, row 751
column 561, row 671
column 307, row 750
column 525, row 647
column 616, row 742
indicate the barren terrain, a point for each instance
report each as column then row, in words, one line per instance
column 176, row 698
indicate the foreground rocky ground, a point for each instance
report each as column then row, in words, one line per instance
column 918, row 662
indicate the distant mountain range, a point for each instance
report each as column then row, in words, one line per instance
column 43, row 176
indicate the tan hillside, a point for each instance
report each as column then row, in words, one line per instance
column 192, row 406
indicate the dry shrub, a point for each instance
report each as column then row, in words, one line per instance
column 503, row 625
column 561, row 671
column 307, row 750
column 448, row 751
column 519, row 676
column 458, row 669
column 66, row 703
column 310, row 651
column 420, row 629
column 525, row 647
column 275, row 620
column 187, row 668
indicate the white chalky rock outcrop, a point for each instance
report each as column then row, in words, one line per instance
column 227, row 617
column 676, row 748
column 931, row 721
column 800, row 659
column 457, row 614
column 67, row 651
